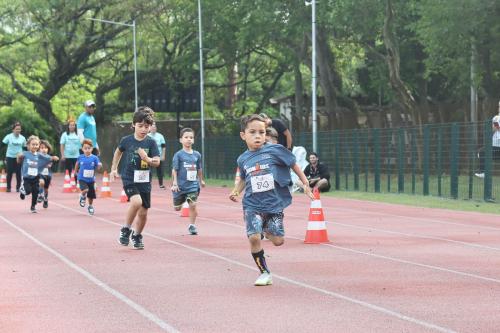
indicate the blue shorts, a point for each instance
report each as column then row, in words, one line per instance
column 271, row 223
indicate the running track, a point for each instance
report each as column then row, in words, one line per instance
column 388, row 268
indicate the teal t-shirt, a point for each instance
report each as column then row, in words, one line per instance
column 86, row 122
column 14, row 144
column 71, row 144
column 160, row 141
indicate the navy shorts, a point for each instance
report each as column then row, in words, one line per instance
column 90, row 186
column 257, row 223
column 131, row 190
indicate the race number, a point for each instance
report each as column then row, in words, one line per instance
column 45, row 172
column 32, row 172
column 141, row 176
column 191, row 175
column 262, row 183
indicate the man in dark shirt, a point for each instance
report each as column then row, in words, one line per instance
column 284, row 135
column 317, row 173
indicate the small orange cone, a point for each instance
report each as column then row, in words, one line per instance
column 185, row 209
column 123, row 197
column 237, row 176
column 316, row 228
column 67, row 183
column 72, row 182
column 105, row 189
column 3, row 182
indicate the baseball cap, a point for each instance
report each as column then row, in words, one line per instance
column 89, row 103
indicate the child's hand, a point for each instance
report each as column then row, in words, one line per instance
column 112, row 175
column 55, row 158
column 202, row 183
column 142, row 154
column 234, row 196
column 174, row 188
column 308, row 192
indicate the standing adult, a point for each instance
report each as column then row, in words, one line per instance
column 15, row 142
column 495, row 145
column 317, row 174
column 70, row 146
column 86, row 126
column 160, row 142
column 284, row 134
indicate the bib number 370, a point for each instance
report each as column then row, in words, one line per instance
column 262, row 183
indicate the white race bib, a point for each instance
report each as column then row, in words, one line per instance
column 88, row 173
column 33, row 172
column 191, row 175
column 262, row 183
column 45, row 172
column 141, row 176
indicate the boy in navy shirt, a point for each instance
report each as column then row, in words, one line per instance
column 187, row 176
column 140, row 153
column 33, row 162
column 85, row 167
column 265, row 177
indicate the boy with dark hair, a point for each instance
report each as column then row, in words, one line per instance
column 85, row 167
column 187, row 175
column 265, row 176
column 140, row 154
column 45, row 175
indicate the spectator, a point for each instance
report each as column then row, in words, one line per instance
column 271, row 135
column 495, row 149
column 70, row 146
column 15, row 142
column 284, row 135
column 317, row 173
column 86, row 125
column 160, row 142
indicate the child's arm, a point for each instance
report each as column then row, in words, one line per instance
column 175, row 186
column 200, row 177
column 114, row 165
column 152, row 161
column 238, row 187
column 54, row 158
column 19, row 157
column 77, row 167
column 298, row 171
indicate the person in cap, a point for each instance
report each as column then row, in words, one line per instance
column 86, row 126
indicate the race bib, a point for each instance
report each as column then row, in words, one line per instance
column 262, row 183
column 32, row 172
column 141, row 176
column 45, row 172
column 88, row 173
column 191, row 175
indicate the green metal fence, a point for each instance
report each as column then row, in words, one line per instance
column 436, row 160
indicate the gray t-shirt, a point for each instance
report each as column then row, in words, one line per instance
column 187, row 165
column 34, row 163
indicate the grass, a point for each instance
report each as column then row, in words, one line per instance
column 400, row 199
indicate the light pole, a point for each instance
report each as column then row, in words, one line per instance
column 202, row 96
column 312, row 3
column 135, row 50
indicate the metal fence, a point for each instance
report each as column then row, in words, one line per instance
column 436, row 160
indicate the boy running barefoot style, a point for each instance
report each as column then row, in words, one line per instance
column 85, row 167
column 265, row 176
column 187, row 176
column 33, row 162
column 140, row 154
column 45, row 175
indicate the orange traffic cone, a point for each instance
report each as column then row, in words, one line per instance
column 67, row 183
column 105, row 189
column 3, row 182
column 185, row 209
column 316, row 228
column 72, row 182
column 123, row 197
column 237, row 176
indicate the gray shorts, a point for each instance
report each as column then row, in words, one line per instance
column 271, row 223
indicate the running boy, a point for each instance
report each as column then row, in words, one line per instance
column 187, row 176
column 33, row 162
column 85, row 167
column 141, row 153
column 45, row 175
column 265, row 176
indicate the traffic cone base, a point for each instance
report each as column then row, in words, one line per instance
column 3, row 182
column 185, row 209
column 123, row 197
column 67, row 183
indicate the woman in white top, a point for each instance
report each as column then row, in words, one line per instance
column 15, row 143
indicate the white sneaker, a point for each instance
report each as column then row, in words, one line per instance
column 265, row 279
column 480, row 175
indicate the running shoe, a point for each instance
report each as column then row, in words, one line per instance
column 192, row 229
column 33, row 210
column 162, row 186
column 40, row 197
column 137, row 241
column 22, row 196
column 265, row 279
column 82, row 201
column 91, row 210
column 45, row 203
column 125, row 236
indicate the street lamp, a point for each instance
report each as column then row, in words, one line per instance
column 312, row 3
column 202, row 97
column 135, row 49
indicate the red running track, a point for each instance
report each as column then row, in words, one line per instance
column 389, row 268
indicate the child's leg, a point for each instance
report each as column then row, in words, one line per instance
column 258, row 253
column 34, row 193
column 273, row 228
column 133, row 208
column 142, row 218
column 193, row 212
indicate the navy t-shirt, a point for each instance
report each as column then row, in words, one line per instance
column 136, row 171
column 267, row 176
column 187, row 165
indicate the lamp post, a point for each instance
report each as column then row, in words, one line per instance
column 202, row 96
column 312, row 3
column 135, row 50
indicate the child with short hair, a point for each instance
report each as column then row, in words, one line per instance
column 33, row 162
column 265, row 176
column 187, row 176
column 85, row 167
column 141, row 153
column 45, row 175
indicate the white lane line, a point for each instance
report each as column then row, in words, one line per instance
column 373, row 307
column 141, row 310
